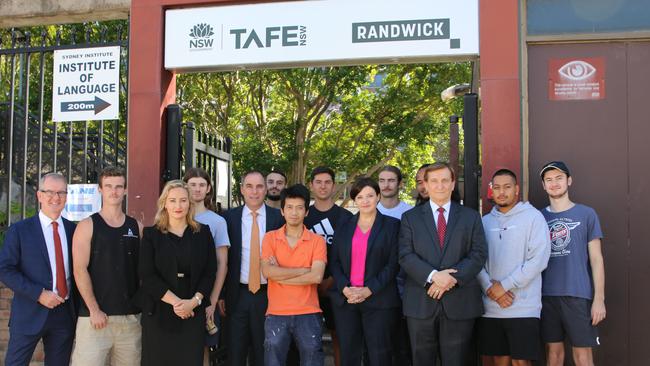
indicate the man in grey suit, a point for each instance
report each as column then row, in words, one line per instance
column 442, row 248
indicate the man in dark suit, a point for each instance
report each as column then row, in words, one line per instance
column 245, row 294
column 442, row 248
column 36, row 263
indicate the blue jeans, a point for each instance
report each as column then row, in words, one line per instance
column 306, row 330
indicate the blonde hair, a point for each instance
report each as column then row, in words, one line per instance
column 161, row 221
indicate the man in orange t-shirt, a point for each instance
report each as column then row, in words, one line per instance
column 293, row 261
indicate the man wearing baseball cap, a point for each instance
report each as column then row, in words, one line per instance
column 573, row 284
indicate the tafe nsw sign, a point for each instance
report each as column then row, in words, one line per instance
column 327, row 32
column 86, row 84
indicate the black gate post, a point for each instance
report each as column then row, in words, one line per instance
column 472, row 169
column 173, row 154
column 190, row 160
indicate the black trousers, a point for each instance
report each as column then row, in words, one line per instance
column 356, row 324
column 246, row 327
column 440, row 339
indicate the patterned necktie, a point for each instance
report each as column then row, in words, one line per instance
column 254, row 269
column 61, row 284
column 442, row 226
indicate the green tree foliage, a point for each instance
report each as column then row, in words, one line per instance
column 354, row 119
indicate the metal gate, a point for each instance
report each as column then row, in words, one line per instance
column 187, row 148
column 30, row 143
column 211, row 153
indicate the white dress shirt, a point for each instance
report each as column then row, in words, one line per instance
column 434, row 208
column 47, row 228
column 246, row 226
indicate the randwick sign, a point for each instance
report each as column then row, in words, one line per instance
column 328, row 32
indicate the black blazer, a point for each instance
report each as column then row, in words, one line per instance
column 274, row 221
column 158, row 272
column 465, row 250
column 381, row 261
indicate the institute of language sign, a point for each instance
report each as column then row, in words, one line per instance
column 86, row 84
column 328, row 32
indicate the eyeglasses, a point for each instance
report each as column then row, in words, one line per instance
column 51, row 194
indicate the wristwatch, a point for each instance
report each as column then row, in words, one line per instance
column 198, row 299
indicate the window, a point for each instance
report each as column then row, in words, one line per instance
column 587, row 16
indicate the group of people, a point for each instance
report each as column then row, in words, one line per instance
column 394, row 284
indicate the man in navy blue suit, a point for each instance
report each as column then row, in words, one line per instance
column 36, row 263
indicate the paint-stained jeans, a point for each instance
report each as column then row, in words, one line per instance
column 307, row 332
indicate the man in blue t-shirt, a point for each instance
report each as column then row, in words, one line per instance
column 573, row 284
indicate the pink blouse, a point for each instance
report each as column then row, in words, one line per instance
column 359, row 249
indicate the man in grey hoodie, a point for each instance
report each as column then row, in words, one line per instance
column 519, row 248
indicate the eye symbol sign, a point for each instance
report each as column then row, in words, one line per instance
column 577, row 70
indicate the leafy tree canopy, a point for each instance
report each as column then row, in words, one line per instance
column 353, row 119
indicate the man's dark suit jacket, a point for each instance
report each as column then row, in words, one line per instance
column 381, row 261
column 159, row 272
column 465, row 250
column 274, row 221
column 25, row 268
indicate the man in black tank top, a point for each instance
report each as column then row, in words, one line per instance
column 105, row 256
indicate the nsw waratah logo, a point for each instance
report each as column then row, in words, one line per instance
column 202, row 37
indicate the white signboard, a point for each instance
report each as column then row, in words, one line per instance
column 328, row 32
column 86, row 84
column 83, row 201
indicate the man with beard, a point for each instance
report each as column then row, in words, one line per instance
column 275, row 183
column 390, row 182
column 518, row 251
column 323, row 217
column 573, row 285
column 422, row 196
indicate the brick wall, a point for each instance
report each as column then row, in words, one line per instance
column 5, row 304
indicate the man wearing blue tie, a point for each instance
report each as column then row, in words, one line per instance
column 36, row 263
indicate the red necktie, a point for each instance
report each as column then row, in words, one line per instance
column 442, row 226
column 61, row 284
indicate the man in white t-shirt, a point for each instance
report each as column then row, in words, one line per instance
column 390, row 182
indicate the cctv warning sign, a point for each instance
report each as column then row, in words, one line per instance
column 576, row 79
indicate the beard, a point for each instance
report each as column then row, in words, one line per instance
column 273, row 197
column 389, row 194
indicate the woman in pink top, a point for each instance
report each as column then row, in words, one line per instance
column 363, row 262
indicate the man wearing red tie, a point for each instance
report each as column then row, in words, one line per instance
column 442, row 248
column 36, row 263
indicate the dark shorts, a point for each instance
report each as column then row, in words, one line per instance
column 518, row 338
column 328, row 315
column 568, row 316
